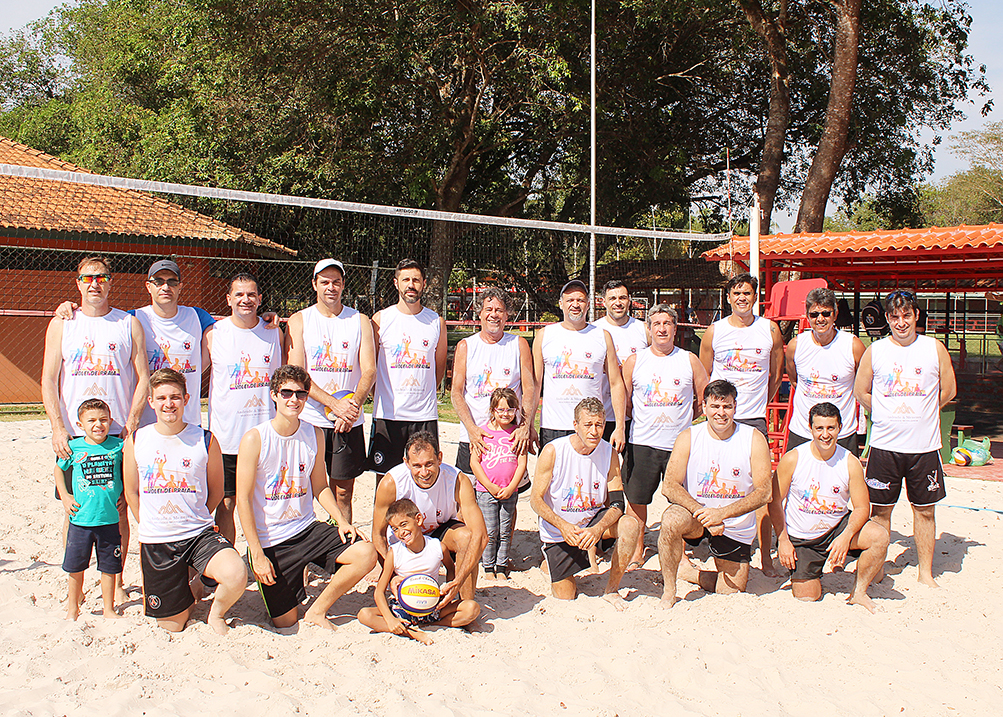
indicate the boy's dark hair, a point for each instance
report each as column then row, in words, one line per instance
column 825, row 410
column 244, row 276
column 740, row 279
column 409, row 264
column 167, row 376
column 404, row 507
column 421, row 439
column 720, row 389
column 93, row 404
column 289, row 372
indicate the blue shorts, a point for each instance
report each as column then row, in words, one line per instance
column 409, row 619
column 104, row 539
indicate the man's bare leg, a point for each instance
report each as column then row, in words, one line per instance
column 924, row 531
column 343, row 491
column 174, row 623
column 457, row 540
column 565, row 589
column 626, row 531
column 227, row 568
column 873, row 540
column 882, row 515
column 224, row 518
column 356, row 562
column 639, row 511
column 458, row 614
column 807, row 590
column 766, row 540
column 731, row 577
column 676, row 521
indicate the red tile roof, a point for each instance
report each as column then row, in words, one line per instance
column 931, row 240
column 47, row 205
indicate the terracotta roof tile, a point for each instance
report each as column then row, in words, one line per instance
column 46, row 205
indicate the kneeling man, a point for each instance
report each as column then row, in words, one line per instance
column 278, row 475
column 579, row 498
column 810, row 514
column 173, row 475
column 717, row 476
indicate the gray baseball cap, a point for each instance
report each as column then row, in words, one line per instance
column 163, row 265
column 574, row 284
column 326, row 264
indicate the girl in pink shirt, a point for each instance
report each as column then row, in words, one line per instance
column 498, row 471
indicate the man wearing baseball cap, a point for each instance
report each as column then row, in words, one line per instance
column 334, row 343
column 570, row 358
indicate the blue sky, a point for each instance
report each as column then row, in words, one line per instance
column 983, row 46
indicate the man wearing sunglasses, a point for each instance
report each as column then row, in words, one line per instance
column 100, row 354
column 903, row 381
column 821, row 364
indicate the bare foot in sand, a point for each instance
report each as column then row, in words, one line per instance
column 615, row 600
column 420, row 635
column 862, row 599
column 688, row 571
column 218, row 624
column 667, row 602
column 110, row 615
column 928, row 581
column 72, row 612
column 768, row 569
column 121, row 594
column 319, row 620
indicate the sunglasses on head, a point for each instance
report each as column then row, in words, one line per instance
column 156, row 281
column 816, row 314
column 92, row 278
column 288, row 393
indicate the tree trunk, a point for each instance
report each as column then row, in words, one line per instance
column 832, row 145
column 775, row 41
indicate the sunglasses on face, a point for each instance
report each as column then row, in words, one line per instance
column 92, row 278
column 160, row 282
column 816, row 314
column 288, row 393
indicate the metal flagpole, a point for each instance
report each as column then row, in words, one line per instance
column 592, row 182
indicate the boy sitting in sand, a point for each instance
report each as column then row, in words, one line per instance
column 89, row 483
column 414, row 553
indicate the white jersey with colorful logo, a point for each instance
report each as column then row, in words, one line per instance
column 819, row 493
column 825, row 373
column 573, row 366
column 172, row 484
column 426, row 562
column 489, row 366
column 405, row 366
column 742, row 356
column 577, row 486
column 175, row 343
column 662, row 395
column 243, row 361
column 905, row 396
column 283, row 494
column 720, row 472
column 628, row 340
column 437, row 504
column 331, row 346
column 97, row 363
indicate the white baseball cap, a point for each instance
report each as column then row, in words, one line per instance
column 327, row 263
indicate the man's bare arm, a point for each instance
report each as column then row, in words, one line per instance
column 441, row 353
column 627, row 371
column 541, row 485
column 130, row 477
column 707, row 350
column 367, row 361
column 948, row 382
column 776, row 360
column 538, row 371
column 762, row 481
column 862, row 384
column 52, row 364
column 700, row 381
column 141, row 367
column 386, row 493
column 674, row 482
column 792, row 371
column 474, row 433
column 525, row 437
column 214, row 476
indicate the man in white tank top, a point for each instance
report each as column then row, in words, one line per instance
column 411, row 350
column 488, row 360
column 569, row 359
column 444, row 495
column 578, row 495
column 334, row 343
column 101, row 355
column 903, row 381
column 629, row 336
column 280, row 470
column 747, row 351
column 662, row 384
column 243, row 353
column 718, row 475
column 173, row 478
column 821, row 365
column 809, row 511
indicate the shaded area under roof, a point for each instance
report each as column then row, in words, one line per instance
column 662, row 274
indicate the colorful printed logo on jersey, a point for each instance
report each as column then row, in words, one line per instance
column 564, row 367
column 283, row 486
column 401, row 356
column 712, row 485
column 161, row 357
column 158, row 480
column 326, row 360
column 652, row 394
column 481, row 386
column 734, row 361
column 894, row 385
column 574, row 501
column 91, row 361
column 243, row 375
column 814, row 388
column 807, row 501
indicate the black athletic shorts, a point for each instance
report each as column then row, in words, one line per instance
column 320, row 544
column 345, row 453
column 758, row 423
column 104, row 539
column 387, row 440
column 463, row 463
column 643, row 473
column 552, row 434
column 848, row 442
column 724, row 548
column 441, row 529
column 165, row 570
column 229, row 475
column 810, row 554
column 565, row 560
column 923, row 474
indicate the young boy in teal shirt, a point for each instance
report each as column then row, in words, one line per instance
column 89, row 483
